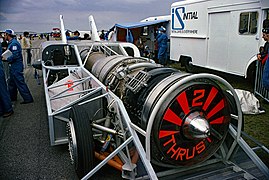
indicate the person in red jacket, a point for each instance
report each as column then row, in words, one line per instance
column 263, row 54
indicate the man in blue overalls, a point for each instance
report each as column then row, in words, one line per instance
column 162, row 40
column 6, row 109
column 16, row 81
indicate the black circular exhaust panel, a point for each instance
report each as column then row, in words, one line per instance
column 191, row 125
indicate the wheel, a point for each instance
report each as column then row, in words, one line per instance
column 187, row 62
column 189, row 67
column 251, row 73
column 81, row 144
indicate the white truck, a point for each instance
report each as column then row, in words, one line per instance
column 223, row 35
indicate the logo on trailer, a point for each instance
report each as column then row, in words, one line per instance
column 180, row 16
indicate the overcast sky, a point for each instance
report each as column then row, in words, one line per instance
column 43, row 15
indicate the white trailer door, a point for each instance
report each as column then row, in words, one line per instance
column 244, row 39
column 218, row 42
column 233, row 40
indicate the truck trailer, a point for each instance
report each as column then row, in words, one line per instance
column 219, row 35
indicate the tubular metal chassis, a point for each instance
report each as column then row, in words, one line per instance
column 127, row 132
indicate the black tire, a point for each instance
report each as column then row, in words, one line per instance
column 83, row 149
column 187, row 62
column 251, row 73
column 189, row 67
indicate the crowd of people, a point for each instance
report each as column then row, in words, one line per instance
column 12, row 54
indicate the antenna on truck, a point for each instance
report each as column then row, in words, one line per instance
column 64, row 39
column 95, row 36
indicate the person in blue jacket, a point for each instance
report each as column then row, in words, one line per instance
column 162, row 40
column 265, row 76
column 16, row 80
column 6, row 109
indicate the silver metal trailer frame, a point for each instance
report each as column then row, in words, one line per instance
column 127, row 132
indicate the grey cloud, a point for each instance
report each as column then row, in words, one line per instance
column 2, row 17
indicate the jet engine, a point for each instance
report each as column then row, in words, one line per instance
column 186, row 118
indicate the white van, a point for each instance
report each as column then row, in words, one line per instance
column 223, row 35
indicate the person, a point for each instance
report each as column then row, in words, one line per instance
column 6, row 108
column 67, row 34
column 26, row 44
column 3, row 43
column 48, row 37
column 265, row 75
column 155, row 47
column 110, row 35
column 140, row 46
column 16, row 80
column 76, row 35
column 162, row 40
column 86, row 36
column 102, row 35
column 263, row 50
column 129, row 36
column 147, row 52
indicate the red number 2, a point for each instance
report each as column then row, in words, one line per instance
column 199, row 95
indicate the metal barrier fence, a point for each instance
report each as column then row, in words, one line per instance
column 259, row 89
column 35, row 55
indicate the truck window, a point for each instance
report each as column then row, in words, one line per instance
column 248, row 23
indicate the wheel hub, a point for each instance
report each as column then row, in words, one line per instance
column 72, row 144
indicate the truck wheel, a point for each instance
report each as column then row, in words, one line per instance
column 251, row 73
column 187, row 62
column 189, row 67
column 81, row 144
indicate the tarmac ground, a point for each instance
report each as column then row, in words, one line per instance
column 25, row 150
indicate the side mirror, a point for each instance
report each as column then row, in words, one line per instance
column 37, row 64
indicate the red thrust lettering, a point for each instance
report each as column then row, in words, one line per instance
column 179, row 153
column 173, row 140
column 200, row 147
column 190, row 156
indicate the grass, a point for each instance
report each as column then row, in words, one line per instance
column 256, row 126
